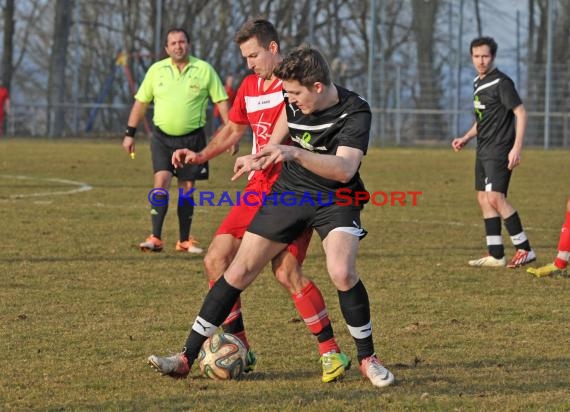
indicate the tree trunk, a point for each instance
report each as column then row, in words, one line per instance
column 7, row 54
column 430, row 93
column 531, row 28
column 560, row 60
column 478, row 18
column 58, row 64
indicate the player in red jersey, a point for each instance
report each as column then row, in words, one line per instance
column 4, row 105
column 258, row 104
column 560, row 264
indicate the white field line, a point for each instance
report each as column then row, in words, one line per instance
column 84, row 187
column 452, row 223
column 79, row 186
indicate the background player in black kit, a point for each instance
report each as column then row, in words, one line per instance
column 500, row 123
column 329, row 127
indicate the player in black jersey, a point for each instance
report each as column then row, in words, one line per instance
column 330, row 128
column 500, row 123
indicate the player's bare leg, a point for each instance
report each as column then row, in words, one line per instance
column 221, row 252
column 341, row 249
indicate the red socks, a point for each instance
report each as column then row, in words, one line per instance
column 561, row 260
column 311, row 306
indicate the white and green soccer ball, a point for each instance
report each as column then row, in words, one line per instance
column 222, row 357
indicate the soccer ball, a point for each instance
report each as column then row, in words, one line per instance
column 222, row 357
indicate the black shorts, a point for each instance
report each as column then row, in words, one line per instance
column 492, row 175
column 283, row 223
column 162, row 146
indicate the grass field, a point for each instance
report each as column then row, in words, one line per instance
column 81, row 307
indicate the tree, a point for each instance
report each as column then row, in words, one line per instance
column 424, row 15
column 562, row 59
column 7, row 53
column 478, row 18
column 58, row 63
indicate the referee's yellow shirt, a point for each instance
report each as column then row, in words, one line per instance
column 180, row 99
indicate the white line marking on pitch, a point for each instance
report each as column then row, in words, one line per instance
column 84, row 187
column 81, row 187
column 452, row 223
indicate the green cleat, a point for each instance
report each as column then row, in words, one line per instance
column 547, row 270
column 250, row 361
column 334, row 365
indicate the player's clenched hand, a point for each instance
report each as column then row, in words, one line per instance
column 457, row 144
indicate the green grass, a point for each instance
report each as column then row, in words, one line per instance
column 81, row 308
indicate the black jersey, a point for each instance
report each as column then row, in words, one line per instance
column 347, row 123
column 495, row 97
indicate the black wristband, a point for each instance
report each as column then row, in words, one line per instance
column 130, row 131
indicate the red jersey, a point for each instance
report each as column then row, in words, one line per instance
column 258, row 108
column 3, row 97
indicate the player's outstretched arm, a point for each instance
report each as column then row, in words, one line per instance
column 228, row 136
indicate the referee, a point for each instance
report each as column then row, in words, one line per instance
column 180, row 86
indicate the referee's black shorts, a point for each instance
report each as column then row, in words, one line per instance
column 162, row 146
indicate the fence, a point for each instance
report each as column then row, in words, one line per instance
column 406, row 110
column 81, row 120
column 390, row 127
column 399, row 127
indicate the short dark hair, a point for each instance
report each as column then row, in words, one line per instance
column 261, row 29
column 176, row 30
column 484, row 41
column 306, row 65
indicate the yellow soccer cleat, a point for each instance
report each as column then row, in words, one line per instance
column 334, row 365
column 547, row 270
